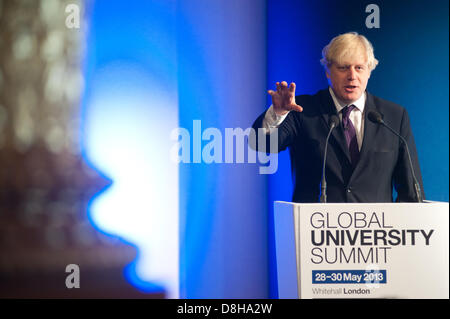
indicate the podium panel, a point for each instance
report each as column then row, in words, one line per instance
column 364, row 250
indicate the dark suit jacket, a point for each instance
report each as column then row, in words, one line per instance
column 383, row 160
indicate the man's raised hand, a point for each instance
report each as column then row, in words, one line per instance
column 283, row 99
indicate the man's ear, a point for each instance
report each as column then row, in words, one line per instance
column 327, row 71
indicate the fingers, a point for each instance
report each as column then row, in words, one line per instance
column 292, row 87
column 278, row 87
column 285, row 96
column 283, row 86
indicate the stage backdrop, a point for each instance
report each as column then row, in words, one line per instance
column 208, row 64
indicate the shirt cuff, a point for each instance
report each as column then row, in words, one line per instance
column 272, row 119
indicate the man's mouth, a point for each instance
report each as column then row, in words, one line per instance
column 350, row 88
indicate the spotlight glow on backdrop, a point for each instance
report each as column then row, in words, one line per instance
column 130, row 106
column 153, row 66
column 122, row 142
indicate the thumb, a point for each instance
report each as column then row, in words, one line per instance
column 297, row 108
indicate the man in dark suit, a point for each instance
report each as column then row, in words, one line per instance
column 365, row 160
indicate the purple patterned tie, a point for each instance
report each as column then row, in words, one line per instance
column 350, row 134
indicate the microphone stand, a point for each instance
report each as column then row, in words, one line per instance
column 334, row 121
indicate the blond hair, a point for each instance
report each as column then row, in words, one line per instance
column 346, row 45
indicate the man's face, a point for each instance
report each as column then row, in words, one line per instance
column 349, row 80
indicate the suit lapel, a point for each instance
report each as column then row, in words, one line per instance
column 328, row 108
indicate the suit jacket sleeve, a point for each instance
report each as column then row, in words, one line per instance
column 287, row 132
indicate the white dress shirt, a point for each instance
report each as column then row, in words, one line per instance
column 273, row 120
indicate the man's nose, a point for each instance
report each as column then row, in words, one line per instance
column 351, row 74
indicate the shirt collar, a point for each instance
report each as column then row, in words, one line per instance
column 359, row 103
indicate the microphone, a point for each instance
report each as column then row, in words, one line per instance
column 332, row 122
column 377, row 118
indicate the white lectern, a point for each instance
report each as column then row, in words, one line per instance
column 389, row 250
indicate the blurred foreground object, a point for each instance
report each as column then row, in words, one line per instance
column 45, row 186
